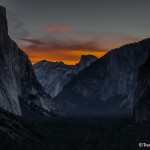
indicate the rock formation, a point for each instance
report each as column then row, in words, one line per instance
column 17, row 79
column 54, row 75
column 108, row 84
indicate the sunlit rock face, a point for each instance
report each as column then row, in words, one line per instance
column 107, row 84
column 17, row 78
column 54, row 75
column 142, row 94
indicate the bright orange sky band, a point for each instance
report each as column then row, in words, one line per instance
column 69, row 57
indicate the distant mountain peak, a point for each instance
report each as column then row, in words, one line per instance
column 45, row 64
column 87, row 57
column 85, row 61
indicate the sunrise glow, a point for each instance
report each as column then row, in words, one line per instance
column 70, row 57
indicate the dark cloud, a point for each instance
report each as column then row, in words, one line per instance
column 34, row 43
column 53, row 44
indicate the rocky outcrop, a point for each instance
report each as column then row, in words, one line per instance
column 141, row 101
column 85, row 61
column 17, row 78
column 54, row 75
column 107, row 84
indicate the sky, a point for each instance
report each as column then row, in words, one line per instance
column 63, row 30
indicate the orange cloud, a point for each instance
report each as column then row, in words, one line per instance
column 59, row 28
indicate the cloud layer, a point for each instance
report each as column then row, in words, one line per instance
column 53, row 44
column 55, row 50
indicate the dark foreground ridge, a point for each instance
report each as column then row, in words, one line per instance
column 98, row 133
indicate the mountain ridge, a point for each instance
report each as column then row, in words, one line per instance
column 110, row 77
column 54, row 75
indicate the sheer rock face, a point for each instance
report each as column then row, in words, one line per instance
column 85, row 61
column 17, row 78
column 54, row 75
column 107, row 84
column 142, row 94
